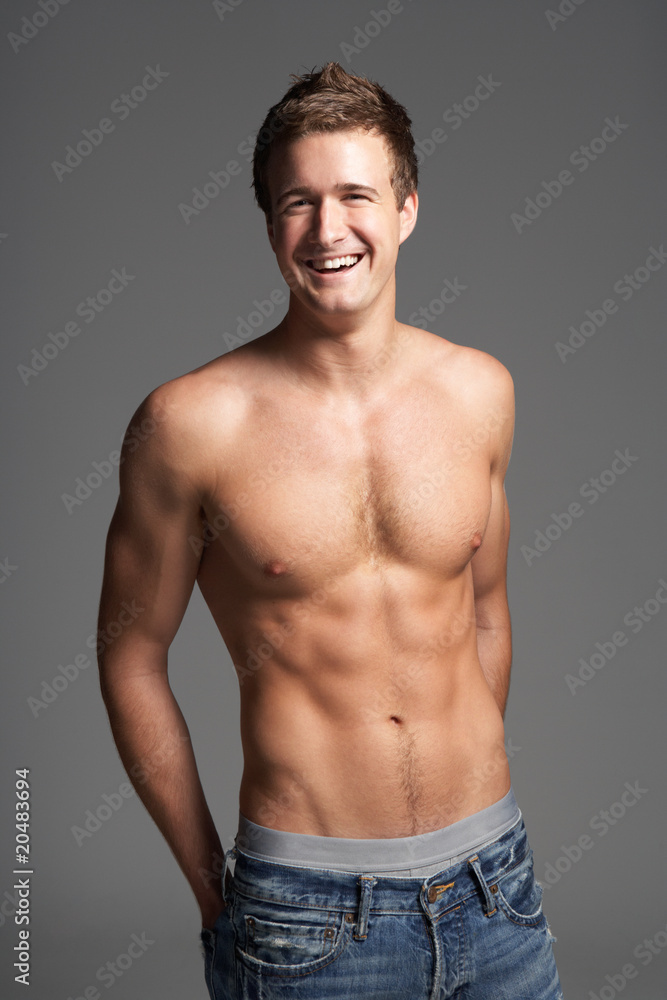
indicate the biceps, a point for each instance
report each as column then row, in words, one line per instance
column 489, row 564
column 151, row 567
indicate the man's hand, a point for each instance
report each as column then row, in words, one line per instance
column 211, row 912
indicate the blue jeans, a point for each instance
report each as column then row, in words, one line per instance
column 473, row 931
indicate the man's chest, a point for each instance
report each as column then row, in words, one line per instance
column 315, row 496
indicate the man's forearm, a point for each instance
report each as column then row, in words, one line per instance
column 154, row 745
column 494, row 648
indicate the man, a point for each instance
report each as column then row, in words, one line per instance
column 336, row 490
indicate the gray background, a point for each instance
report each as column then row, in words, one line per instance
column 119, row 208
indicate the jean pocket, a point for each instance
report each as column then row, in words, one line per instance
column 277, row 940
column 519, row 895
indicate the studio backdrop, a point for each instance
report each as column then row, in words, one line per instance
column 132, row 252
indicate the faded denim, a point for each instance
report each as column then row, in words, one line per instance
column 473, row 931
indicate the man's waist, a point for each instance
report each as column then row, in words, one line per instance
column 386, row 854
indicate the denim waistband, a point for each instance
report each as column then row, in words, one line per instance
column 320, row 888
column 413, row 855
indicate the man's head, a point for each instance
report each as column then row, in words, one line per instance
column 336, row 175
column 335, row 101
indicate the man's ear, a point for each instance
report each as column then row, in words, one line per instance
column 408, row 216
column 269, row 230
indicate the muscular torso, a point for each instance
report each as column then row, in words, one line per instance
column 339, row 532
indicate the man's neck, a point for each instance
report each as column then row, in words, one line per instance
column 351, row 353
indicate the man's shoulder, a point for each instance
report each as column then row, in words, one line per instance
column 211, row 391
column 469, row 369
column 183, row 419
column 485, row 374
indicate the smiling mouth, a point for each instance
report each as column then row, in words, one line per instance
column 325, row 265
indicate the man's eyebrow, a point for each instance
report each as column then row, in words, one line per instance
column 339, row 187
column 358, row 187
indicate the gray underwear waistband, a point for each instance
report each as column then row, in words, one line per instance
column 422, row 854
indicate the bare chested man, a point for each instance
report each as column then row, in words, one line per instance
column 336, row 490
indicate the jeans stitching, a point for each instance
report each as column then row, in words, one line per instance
column 258, row 967
column 464, row 970
column 524, row 919
column 210, row 963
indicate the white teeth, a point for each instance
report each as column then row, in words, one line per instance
column 333, row 263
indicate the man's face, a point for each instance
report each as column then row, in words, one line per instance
column 332, row 199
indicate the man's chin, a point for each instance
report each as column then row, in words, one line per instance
column 328, row 305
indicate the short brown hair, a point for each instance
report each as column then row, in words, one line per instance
column 335, row 101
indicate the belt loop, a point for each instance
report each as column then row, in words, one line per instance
column 226, row 882
column 366, row 883
column 489, row 904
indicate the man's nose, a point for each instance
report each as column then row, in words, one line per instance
column 328, row 224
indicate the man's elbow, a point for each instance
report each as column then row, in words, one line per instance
column 121, row 669
column 492, row 612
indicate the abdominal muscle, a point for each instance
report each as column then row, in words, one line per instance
column 364, row 709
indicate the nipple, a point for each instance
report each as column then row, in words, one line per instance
column 275, row 568
column 476, row 540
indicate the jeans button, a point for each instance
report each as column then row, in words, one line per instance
column 432, row 894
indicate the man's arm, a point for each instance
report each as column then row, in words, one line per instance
column 151, row 567
column 489, row 564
